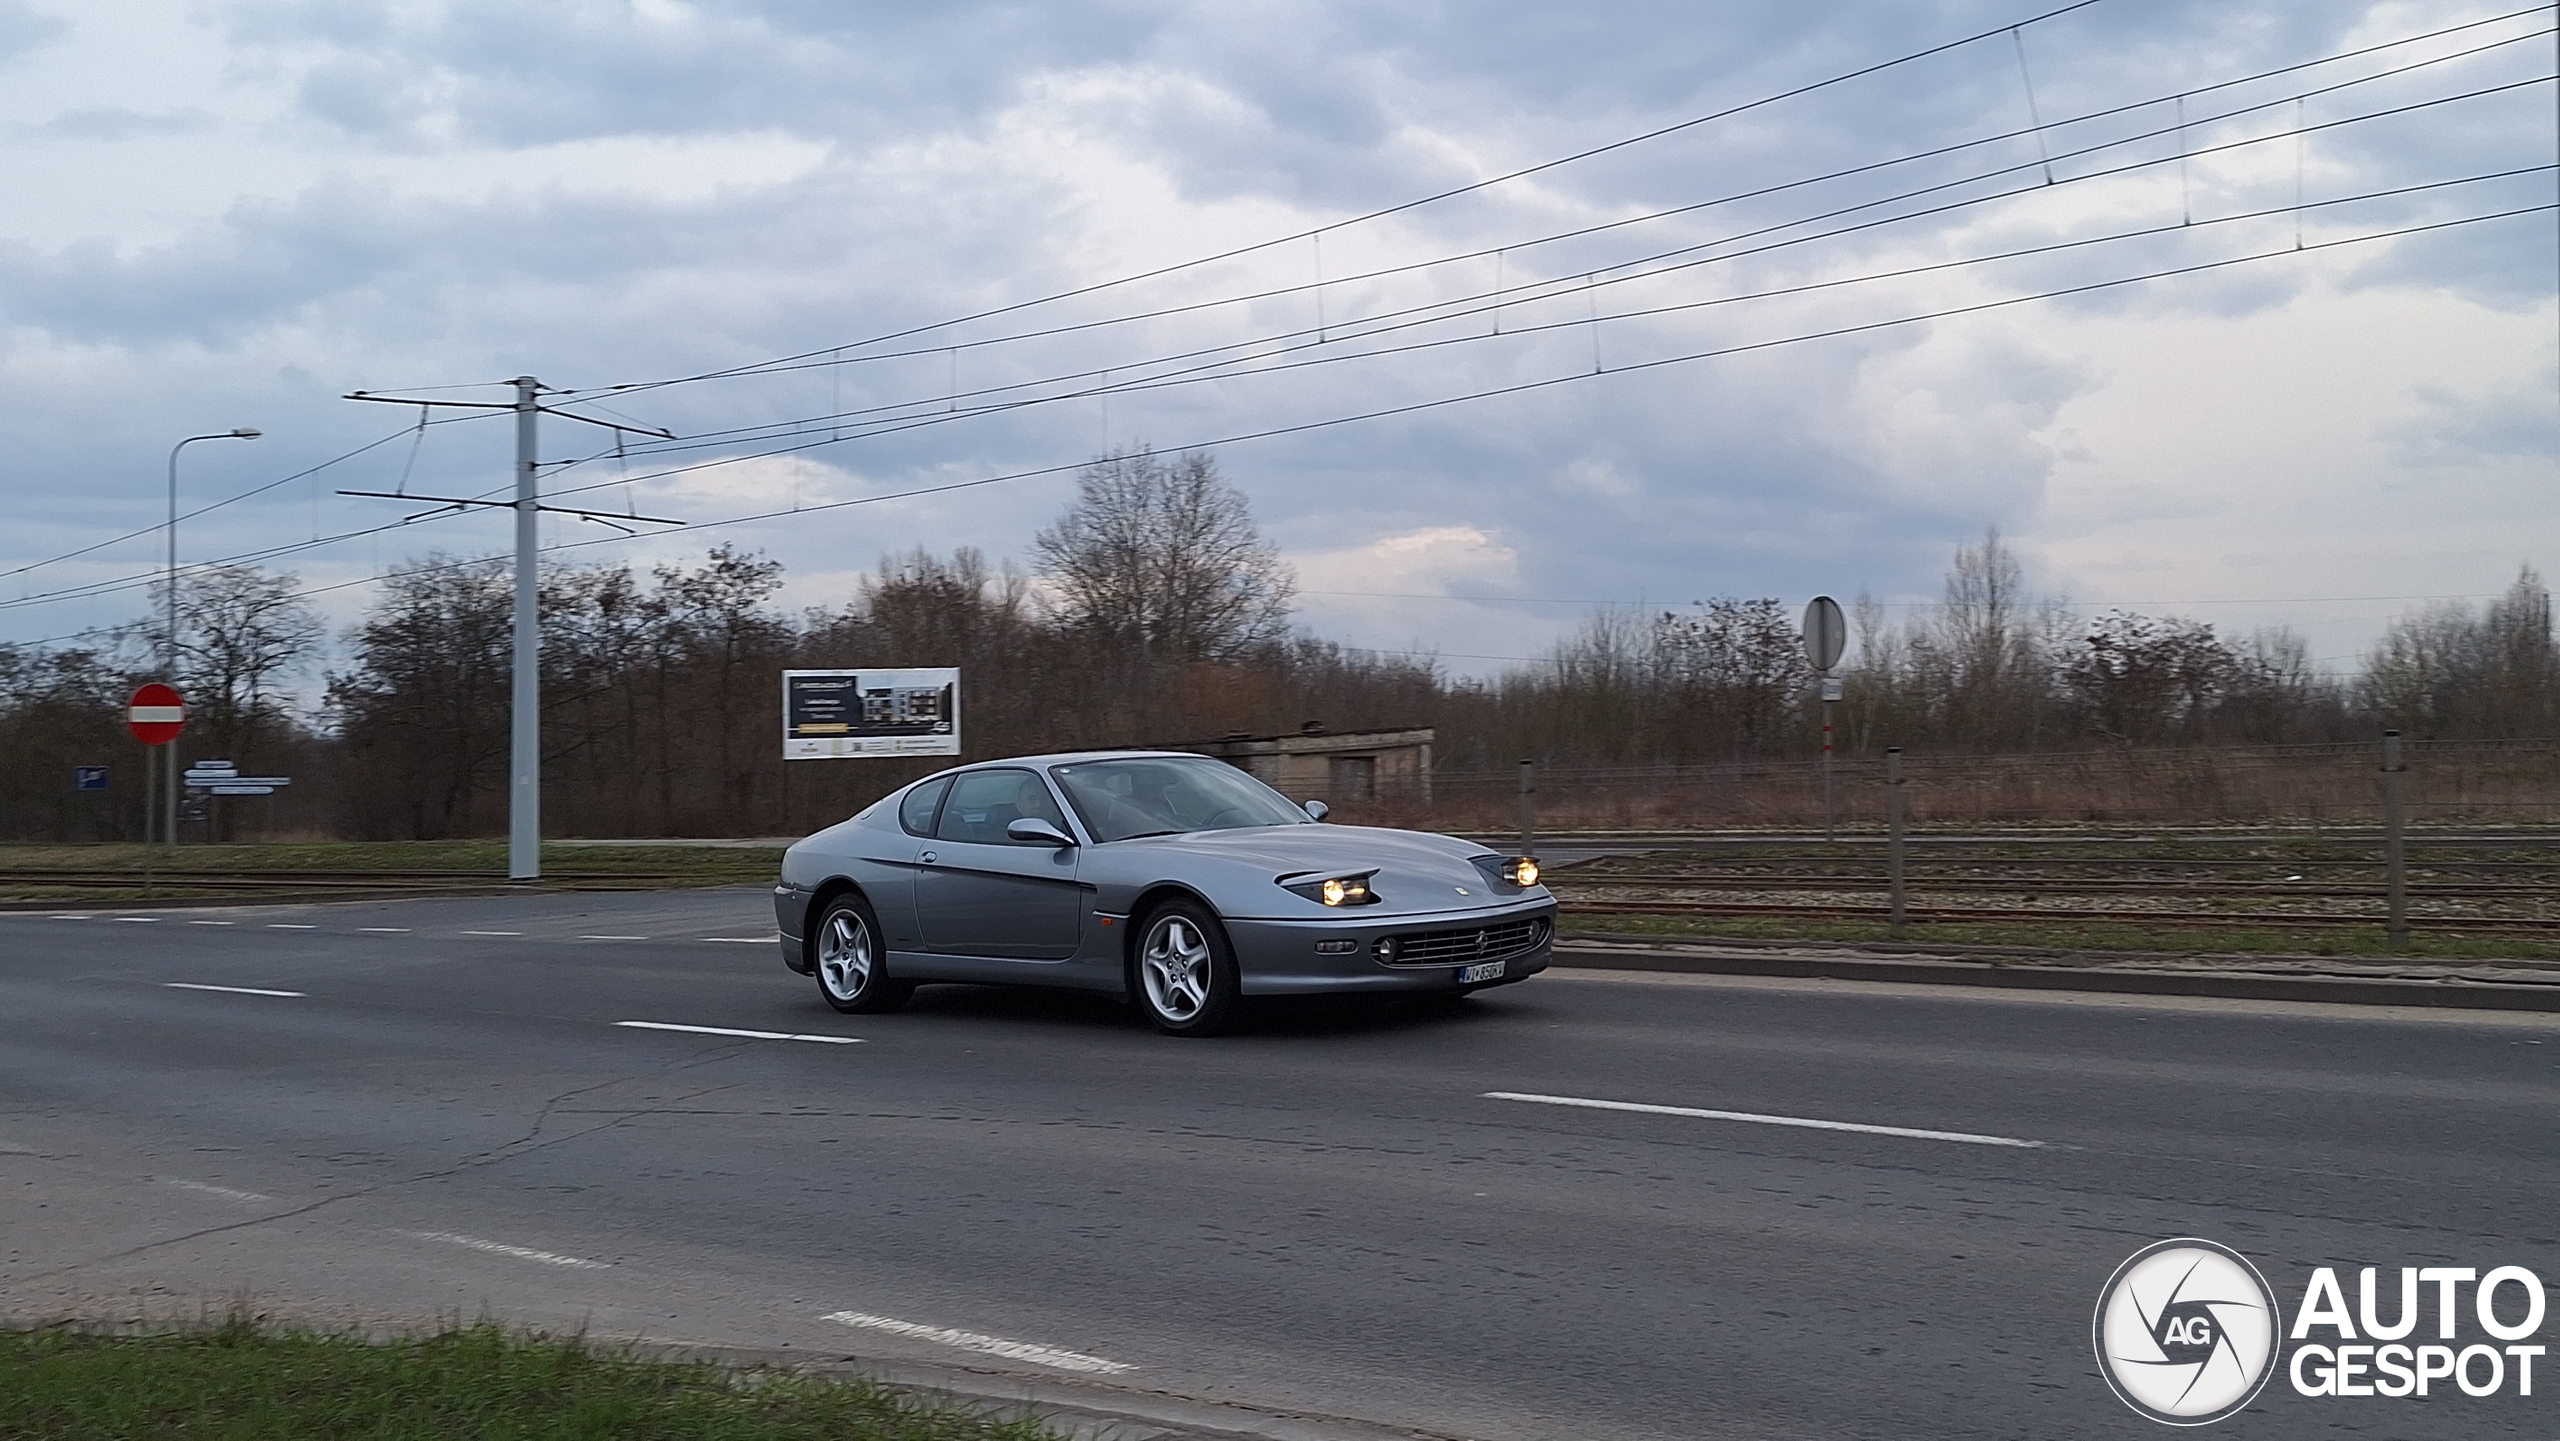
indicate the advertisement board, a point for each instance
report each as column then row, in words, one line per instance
column 842, row 714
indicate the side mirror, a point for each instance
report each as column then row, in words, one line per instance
column 1318, row 809
column 1032, row 828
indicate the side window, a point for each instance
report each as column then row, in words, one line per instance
column 983, row 803
column 916, row 811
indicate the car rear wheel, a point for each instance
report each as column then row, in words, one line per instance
column 1187, row 980
column 851, row 972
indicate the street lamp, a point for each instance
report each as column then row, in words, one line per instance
column 169, row 641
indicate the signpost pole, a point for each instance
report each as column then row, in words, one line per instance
column 524, row 781
column 1826, row 634
column 1830, row 817
column 1528, row 808
column 1893, row 833
column 2395, row 840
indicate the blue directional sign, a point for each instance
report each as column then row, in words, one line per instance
column 88, row 778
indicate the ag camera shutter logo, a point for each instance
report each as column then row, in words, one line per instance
column 2186, row 1331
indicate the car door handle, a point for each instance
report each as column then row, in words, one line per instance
column 927, row 858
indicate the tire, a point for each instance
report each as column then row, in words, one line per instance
column 1186, row 971
column 851, row 963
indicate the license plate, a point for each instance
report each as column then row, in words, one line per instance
column 1484, row 971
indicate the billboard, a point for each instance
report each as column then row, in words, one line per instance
column 837, row 714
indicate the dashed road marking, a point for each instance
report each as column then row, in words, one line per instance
column 1967, row 1137
column 213, row 923
column 290, row 926
column 613, row 938
column 493, row 933
column 749, row 1035
column 742, row 940
column 70, row 916
column 1038, row 1355
column 137, row 920
column 383, row 930
column 501, row 1248
column 250, row 1198
column 232, row 990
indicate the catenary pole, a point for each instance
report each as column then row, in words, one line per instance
column 524, row 782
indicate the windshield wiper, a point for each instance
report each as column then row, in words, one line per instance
column 1142, row 835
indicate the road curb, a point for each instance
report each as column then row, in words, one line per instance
column 2450, row 992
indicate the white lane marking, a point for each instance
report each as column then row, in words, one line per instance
column 750, row 1035
column 234, row 990
column 290, row 926
column 501, row 1248
column 71, row 916
column 1967, row 1137
column 137, row 920
column 213, row 923
column 383, row 930
column 613, row 938
column 225, row 1192
column 1038, row 1355
column 742, row 940
column 493, row 933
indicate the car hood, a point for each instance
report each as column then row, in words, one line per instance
column 1416, row 870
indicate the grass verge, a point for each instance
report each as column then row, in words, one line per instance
column 241, row 1381
column 2357, row 942
column 110, row 874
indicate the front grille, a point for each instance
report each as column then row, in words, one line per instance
column 1481, row 943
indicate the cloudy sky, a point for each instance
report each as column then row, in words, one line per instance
column 884, row 248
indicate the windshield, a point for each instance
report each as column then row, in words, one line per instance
column 1167, row 795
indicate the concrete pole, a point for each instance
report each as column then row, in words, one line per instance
column 2395, row 844
column 1893, row 836
column 1528, row 808
column 169, row 637
column 524, row 780
column 1830, row 819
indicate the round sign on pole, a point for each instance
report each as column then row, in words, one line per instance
column 156, row 714
column 1826, row 633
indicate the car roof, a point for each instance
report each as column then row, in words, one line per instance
column 1063, row 757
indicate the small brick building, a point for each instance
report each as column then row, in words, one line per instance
column 1312, row 763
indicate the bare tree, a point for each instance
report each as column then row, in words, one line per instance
column 422, row 710
column 241, row 633
column 1162, row 557
column 2143, row 679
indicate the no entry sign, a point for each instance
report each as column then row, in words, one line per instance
column 156, row 714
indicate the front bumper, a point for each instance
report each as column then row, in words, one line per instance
column 790, row 917
column 1279, row 958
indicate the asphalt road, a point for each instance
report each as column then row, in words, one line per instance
column 422, row 1108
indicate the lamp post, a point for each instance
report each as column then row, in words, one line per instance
column 169, row 640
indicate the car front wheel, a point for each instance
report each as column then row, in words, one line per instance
column 1187, row 979
column 851, row 973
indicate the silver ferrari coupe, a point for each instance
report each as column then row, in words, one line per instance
column 1170, row 879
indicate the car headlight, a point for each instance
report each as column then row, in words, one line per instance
column 1516, row 872
column 1350, row 890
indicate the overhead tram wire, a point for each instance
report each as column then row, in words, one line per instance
column 836, row 359
column 210, row 507
column 897, row 424
column 1441, row 311
column 1379, row 214
column 108, row 587
column 945, row 402
column 375, row 530
column 1163, row 382
column 1357, row 418
column 1524, row 387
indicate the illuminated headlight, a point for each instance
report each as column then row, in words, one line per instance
column 1336, row 890
column 1518, row 872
